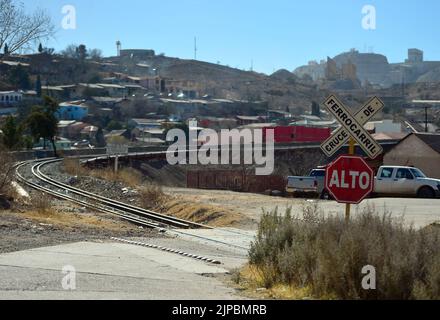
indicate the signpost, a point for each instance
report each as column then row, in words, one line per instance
column 340, row 137
column 353, row 127
column 117, row 150
column 349, row 179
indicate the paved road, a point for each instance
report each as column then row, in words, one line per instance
column 421, row 212
column 109, row 271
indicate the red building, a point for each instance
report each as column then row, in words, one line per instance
column 299, row 134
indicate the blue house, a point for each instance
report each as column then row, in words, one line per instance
column 71, row 111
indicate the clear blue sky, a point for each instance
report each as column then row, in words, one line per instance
column 273, row 33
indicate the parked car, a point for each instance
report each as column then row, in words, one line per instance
column 313, row 183
column 405, row 181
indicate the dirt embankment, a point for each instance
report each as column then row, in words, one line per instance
column 25, row 227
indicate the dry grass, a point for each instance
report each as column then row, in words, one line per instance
column 42, row 205
column 201, row 213
column 128, row 176
column 75, row 221
column 51, row 216
column 73, row 167
column 326, row 258
column 249, row 280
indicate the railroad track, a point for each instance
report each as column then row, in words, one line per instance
column 124, row 211
column 140, row 216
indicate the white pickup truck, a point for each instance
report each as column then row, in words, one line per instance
column 389, row 181
column 405, row 181
column 313, row 183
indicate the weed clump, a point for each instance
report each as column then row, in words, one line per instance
column 327, row 255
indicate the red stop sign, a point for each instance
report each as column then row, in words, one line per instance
column 349, row 179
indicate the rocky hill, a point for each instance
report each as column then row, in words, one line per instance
column 281, row 90
column 375, row 69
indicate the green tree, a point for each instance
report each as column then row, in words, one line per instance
column 166, row 110
column 114, row 125
column 100, row 139
column 11, row 137
column 38, row 86
column 81, row 52
column 43, row 123
column 40, row 48
column 19, row 77
column 92, row 92
column 27, row 142
column 6, row 49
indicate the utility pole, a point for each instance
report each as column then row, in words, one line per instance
column 426, row 118
column 195, row 48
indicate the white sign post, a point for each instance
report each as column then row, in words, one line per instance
column 352, row 130
column 352, row 126
column 340, row 137
column 117, row 150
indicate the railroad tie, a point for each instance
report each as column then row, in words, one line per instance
column 181, row 253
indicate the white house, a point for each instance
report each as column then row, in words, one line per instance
column 10, row 97
column 384, row 126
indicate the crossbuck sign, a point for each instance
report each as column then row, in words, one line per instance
column 352, row 126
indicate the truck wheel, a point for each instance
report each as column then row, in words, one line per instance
column 325, row 195
column 426, row 192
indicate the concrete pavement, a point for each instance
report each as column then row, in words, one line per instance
column 108, row 271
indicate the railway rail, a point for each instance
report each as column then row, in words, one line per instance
column 87, row 199
column 145, row 218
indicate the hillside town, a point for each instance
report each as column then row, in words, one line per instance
column 138, row 106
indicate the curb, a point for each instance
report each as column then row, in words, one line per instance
column 189, row 255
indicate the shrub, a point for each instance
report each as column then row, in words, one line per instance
column 42, row 205
column 152, row 196
column 73, row 167
column 6, row 174
column 327, row 255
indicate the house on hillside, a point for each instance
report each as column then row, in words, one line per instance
column 217, row 123
column 144, row 124
column 72, row 111
column 384, row 126
column 55, row 92
column 8, row 98
column 246, row 120
column 113, row 135
column 421, row 150
column 70, row 129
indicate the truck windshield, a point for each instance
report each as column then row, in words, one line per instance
column 417, row 173
column 317, row 173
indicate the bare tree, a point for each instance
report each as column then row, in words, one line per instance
column 21, row 30
column 6, row 172
column 95, row 54
column 70, row 51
